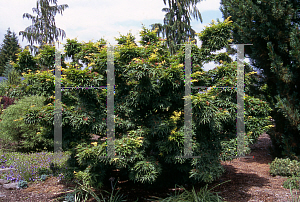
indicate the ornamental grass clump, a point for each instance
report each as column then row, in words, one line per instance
column 292, row 182
column 202, row 195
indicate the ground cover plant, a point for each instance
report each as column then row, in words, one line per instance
column 149, row 110
column 30, row 166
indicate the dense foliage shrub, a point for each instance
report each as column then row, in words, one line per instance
column 284, row 167
column 149, row 109
column 15, row 127
column 25, row 61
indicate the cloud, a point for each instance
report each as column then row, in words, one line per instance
column 93, row 19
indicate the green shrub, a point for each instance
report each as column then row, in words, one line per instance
column 25, row 61
column 284, row 167
column 149, row 109
column 14, row 131
column 292, row 182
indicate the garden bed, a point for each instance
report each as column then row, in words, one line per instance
column 250, row 181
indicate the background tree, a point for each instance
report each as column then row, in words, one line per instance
column 273, row 29
column 9, row 49
column 43, row 29
column 12, row 75
column 72, row 47
column 26, row 61
column 177, row 28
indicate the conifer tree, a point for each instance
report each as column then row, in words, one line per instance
column 12, row 75
column 9, row 49
column 177, row 28
column 43, row 29
column 273, row 29
column 8, row 68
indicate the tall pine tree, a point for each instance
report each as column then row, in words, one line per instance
column 9, row 49
column 177, row 26
column 273, row 29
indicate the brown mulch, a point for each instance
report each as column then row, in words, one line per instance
column 39, row 192
column 250, row 178
column 250, row 181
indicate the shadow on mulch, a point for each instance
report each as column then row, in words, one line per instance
column 245, row 180
column 130, row 191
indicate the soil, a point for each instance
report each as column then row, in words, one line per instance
column 250, row 178
column 250, row 181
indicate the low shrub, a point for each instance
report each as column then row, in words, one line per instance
column 70, row 197
column 284, row 167
column 24, row 134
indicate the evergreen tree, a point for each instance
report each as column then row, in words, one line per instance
column 8, row 68
column 9, row 49
column 177, row 28
column 12, row 75
column 43, row 29
column 273, row 29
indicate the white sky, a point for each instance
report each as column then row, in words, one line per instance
column 94, row 19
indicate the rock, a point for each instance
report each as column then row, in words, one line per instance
column 2, row 181
column 11, row 186
column 6, row 169
column 2, row 195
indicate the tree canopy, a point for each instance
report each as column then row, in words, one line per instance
column 177, row 28
column 43, row 29
column 273, row 29
column 9, row 50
